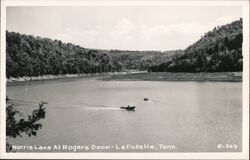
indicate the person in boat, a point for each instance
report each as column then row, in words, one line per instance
column 128, row 107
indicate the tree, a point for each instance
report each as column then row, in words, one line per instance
column 29, row 125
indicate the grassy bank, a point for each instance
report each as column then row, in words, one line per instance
column 167, row 76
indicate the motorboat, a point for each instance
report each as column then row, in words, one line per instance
column 146, row 99
column 130, row 108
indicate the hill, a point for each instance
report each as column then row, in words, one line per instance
column 27, row 55
column 141, row 60
column 219, row 50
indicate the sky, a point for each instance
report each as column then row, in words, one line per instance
column 121, row 27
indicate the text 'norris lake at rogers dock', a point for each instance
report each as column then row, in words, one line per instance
column 75, row 148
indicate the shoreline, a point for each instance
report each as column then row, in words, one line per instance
column 63, row 76
column 68, row 76
column 179, row 76
column 140, row 76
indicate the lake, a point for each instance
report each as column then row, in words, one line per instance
column 184, row 116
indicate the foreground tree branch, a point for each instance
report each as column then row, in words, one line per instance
column 16, row 123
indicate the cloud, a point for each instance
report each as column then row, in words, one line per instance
column 172, row 36
column 97, row 37
column 126, row 35
column 125, row 25
column 79, row 37
column 223, row 20
column 121, row 35
column 172, row 29
column 219, row 22
column 180, row 35
column 121, row 30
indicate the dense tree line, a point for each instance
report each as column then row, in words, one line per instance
column 141, row 60
column 33, row 56
column 219, row 50
column 27, row 55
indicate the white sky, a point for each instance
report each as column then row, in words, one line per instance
column 124, row 27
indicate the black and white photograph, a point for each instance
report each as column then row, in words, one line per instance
column 125, row 79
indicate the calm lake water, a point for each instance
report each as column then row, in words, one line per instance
column 185, row 116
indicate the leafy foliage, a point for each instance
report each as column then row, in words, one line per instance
column 16, row 124
column 219, row 50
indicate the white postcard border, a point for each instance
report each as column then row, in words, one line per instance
column 179, row 155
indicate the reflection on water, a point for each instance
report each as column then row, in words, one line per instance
column 193, row 116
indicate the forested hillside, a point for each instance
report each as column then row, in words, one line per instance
column 33, row 56
column 141, row 60
column 219, row 50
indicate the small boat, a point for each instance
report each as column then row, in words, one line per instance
column 146, row 99
column 131, row 108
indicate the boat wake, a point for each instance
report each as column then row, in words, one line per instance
column 32, row 105
column 100, row 108
column 155, row 102
column 159, row 101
